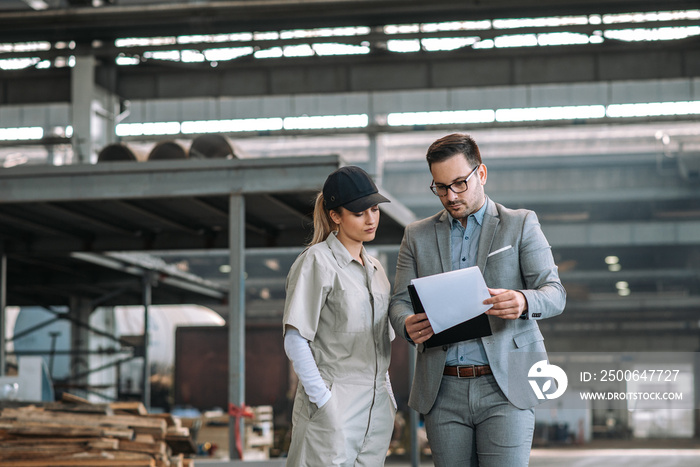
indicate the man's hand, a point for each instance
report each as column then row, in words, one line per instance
column 507, row 304
column 418, row 328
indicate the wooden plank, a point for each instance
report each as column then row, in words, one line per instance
column 38, row 452
column 158, row 447
column 72, row 398
column 72, row 403
column 81, row 463
column 177, row 431
column 93, row 443
column 181, row 444
column 109, row 455
column 134, row 408
column 95, row 409
column 142, row 438
column 46, row 435
column 58, row 430
column 169, row 419
column 140, row 424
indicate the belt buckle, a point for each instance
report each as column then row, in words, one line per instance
column 473, row 367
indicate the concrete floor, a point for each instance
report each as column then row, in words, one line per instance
column 552, row 458
column 615, row 457
column 605, row 453
column 636, row 453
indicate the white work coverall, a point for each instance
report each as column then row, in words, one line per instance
column 341, row 308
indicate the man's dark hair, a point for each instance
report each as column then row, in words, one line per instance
column 450, row 145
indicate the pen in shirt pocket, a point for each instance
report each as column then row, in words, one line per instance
column 500, row 250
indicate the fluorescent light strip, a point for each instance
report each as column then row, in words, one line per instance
column 148, row 129
column 230, row 126
column 21, row 133
column 440, row 118
column 550, row 113
column 578, row 112
column 654, row 109
column 239, row 125
column 326, row 122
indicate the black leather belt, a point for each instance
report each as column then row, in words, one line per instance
column 468, row 371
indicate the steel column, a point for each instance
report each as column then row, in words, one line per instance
column 146, row 359
column 236, row 317
column 3, row 301
column 79, row 314
column 82, row 92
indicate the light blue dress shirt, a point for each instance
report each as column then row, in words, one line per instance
column 464, row 243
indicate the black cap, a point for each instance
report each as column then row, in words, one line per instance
column 352, row 188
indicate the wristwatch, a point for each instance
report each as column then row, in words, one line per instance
column 524, row 315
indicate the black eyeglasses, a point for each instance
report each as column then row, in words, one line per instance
column 460, row 186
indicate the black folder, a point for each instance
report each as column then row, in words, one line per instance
column 478, row 326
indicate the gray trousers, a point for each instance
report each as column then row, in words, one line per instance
column 473, row 424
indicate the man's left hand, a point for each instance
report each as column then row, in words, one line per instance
column 507, row 304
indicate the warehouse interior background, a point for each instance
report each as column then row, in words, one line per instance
column 167, row 153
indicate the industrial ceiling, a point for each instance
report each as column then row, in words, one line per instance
column 615, row 187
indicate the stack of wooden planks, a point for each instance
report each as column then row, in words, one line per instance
column 74, row 432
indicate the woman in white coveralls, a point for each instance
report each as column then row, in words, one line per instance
column 337, row 332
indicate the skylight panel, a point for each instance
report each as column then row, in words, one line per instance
column 273, row 52
column 227, row 53
column 646, row 17
column 123, row 60
column 548, row 22
column 516, row 40
column 169, row 55
column 192, row 56
column 658, row 34
column 562, row 38
column 215, row 38
column 144, row 41
column 403, row 46
column 302, row 50
column 401, row 28
column 18, row 63
column 324, row 32
column 324, row 49
column 447, row 43
column 456, row 26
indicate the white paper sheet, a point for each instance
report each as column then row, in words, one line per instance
column 452, row 297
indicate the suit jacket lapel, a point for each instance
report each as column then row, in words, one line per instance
column 488, row 231
column 442, row 232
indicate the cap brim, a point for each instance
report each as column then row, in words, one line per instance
column 366, row 202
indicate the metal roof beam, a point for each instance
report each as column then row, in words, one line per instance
column 163, row 179
column 231, row 16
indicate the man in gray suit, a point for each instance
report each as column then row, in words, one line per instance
column 474, row 394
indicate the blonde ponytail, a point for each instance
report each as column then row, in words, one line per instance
column 323, row 224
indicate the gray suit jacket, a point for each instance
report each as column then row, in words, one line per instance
column 513, row 253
